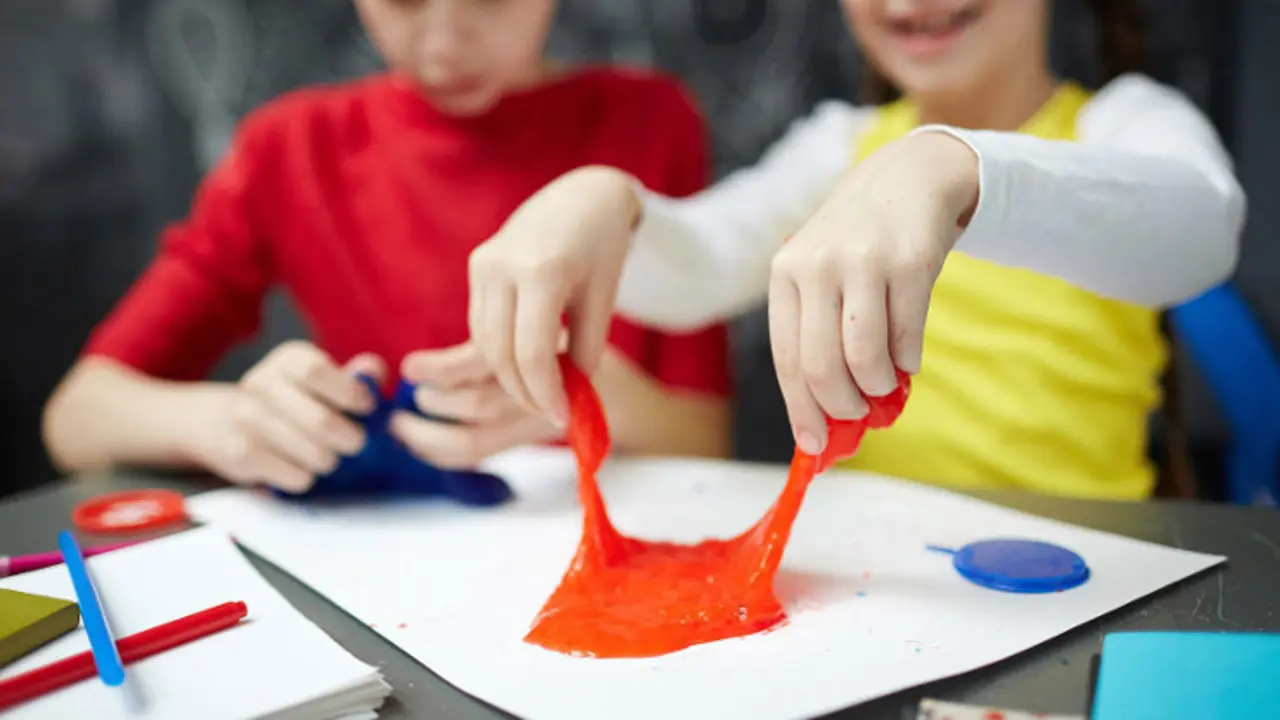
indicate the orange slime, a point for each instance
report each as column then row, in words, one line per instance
column 625, row 597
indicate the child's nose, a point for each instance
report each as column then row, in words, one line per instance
column 444, row 33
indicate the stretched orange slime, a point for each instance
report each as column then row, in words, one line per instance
column 625, row 597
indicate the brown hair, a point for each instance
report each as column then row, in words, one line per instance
column 1122, row 36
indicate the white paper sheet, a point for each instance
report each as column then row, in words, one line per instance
column 274, row 663
column 871, row 610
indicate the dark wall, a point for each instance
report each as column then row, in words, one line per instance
column 112, row 109
column 1258, row 151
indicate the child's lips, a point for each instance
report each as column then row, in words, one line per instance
column 455, row 88
column 927, row 37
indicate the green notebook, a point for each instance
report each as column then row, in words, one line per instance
column 29, row 621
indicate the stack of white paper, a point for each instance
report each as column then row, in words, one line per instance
column 274, row 664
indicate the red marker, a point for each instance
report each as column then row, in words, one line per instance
column 34, row 683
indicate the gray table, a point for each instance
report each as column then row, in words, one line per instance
column 1245, row 595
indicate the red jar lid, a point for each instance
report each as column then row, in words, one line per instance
column 130, row 511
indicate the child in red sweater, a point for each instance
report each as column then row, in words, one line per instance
column 364, row 201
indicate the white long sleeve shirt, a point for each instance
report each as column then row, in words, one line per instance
column 1144, row 208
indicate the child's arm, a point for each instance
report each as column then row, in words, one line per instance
column 706, row 258
column 133, row 399
column 283, row 423
column 648, row 418
column 690, row 261
column 1144, row 208
column 84, row 428
column 201, row 294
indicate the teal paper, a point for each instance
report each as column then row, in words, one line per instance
column 1188, row 676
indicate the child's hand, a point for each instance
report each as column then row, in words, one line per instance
column 286, row 421
column 561, row 252
column 850, row 291
column 479, row 417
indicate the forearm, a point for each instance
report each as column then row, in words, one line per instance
column 1142, row 229
column 1144, row 208
column 106, row 415
column 646, row 418
column 703, row 259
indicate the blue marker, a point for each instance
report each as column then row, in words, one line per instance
column 106, row 656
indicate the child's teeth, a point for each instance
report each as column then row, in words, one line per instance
column 933, row 25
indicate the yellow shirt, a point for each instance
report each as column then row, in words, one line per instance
column 1027, row 381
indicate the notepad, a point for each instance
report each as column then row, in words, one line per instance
column 1188, row 676
column 276, row 664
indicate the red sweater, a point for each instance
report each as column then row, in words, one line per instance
column 363, row 203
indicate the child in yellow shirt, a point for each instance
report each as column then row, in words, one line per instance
column 1040, row 228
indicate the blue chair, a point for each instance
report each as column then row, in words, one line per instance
column 1234, row 354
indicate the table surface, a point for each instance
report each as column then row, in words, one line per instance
column 1242, row 595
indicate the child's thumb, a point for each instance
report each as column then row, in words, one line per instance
column 367, row 364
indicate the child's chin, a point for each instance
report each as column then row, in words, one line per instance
column 465, row 107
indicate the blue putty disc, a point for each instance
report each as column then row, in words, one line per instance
column 1021, row 566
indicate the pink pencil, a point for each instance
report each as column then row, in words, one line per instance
column 26, row 563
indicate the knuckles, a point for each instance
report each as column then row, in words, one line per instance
column 861, row 355
column 822, row 369
column 296, row 357
column 323, row 423
column 239, row 455
column 488, row 262
column 535, row 355
column 244, row 411
column 803, row 263
column 312, row 367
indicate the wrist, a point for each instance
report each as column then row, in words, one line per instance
column 196, row 409
column 613, row 191
column 955, row 164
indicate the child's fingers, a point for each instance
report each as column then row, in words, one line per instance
column 366, row 364
column 908, row 310
column 498, row 345
column 279, row 472
column 282, row 438
column 314, row 371
column 537, row 335
column 479, row 279
column 462, row 364
column 463, row 447
column 589, row 321
column 821, row 355
column 491, row 317
column 247, row 461
column 808, row 423
column 314, row 418
column 865, row 335
column 475, row 403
